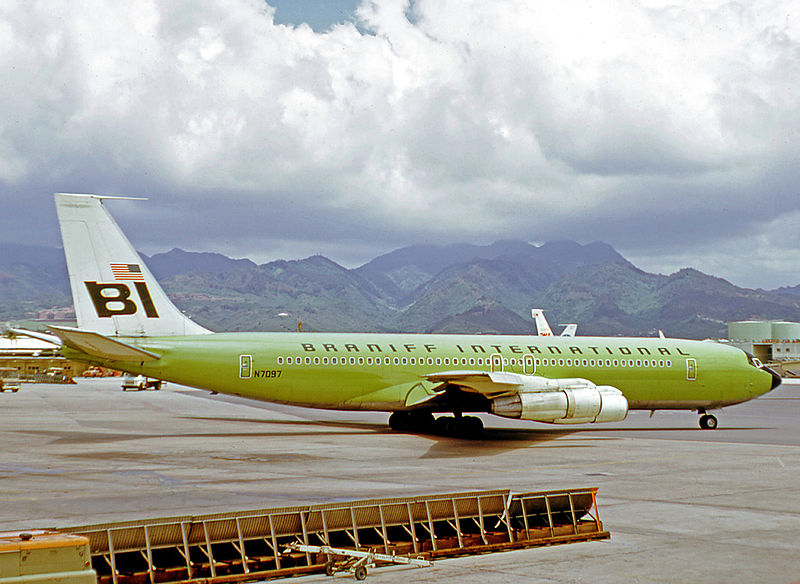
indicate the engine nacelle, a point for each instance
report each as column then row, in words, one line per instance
column 564, row 401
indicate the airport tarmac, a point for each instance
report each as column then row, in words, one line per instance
column 682, row 505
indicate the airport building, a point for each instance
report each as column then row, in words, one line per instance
column 24, row 358
column 766, row 339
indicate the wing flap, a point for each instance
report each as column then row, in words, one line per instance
column 489, row 383
column 496, row 383
column 98, row 345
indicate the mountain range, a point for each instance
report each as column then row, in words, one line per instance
column 459, row 288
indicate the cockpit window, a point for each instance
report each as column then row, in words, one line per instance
column 753, row 360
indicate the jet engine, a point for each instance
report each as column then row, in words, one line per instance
column 563, row 401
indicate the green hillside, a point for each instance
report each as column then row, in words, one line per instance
column 426, row 288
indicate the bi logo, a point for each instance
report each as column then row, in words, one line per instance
column 114, row 299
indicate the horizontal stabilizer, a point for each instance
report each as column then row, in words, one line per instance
column 101, row 346
column 36, row 335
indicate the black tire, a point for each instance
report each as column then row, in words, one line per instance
column 441, row 425
column 399, row 421
column 708, row 422
column 360, row 572
column 421, row 420
column 330, row 568
column 472, row 427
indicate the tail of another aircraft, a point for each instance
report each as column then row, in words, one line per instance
column 113, row 291
column 542, row 326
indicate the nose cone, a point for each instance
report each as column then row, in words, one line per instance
column 776, row 379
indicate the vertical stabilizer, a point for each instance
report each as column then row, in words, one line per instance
column 569, row 330
column 113, row 291
column 542, row 326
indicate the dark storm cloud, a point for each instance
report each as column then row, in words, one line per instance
column 670, row 131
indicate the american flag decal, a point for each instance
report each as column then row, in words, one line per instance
column 127, row 272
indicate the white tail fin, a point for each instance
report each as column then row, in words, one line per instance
column 113, row 291
column 569, row 330
column 542, row 326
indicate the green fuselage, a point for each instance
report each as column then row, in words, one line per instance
column 385, row 371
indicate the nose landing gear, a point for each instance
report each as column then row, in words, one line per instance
column 707, row 421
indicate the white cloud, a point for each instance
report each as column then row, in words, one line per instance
column 650, row 125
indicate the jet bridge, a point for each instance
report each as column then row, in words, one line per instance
column 279, row 542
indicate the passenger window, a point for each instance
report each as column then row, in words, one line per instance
column 496, row 363
column 528, row 365
column 316, row 360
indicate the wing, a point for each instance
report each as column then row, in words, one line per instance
column 532, row 397
column 496, row 383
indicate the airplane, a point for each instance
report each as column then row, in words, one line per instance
column 569, row 330
column 543, row 327
column 127, row 322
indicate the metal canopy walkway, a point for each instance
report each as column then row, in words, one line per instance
column 268, row 543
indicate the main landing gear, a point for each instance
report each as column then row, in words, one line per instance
column 707, row 421
column 424, row 422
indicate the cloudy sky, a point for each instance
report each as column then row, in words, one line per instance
column 277, row 130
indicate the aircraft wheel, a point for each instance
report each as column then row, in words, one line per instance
column 421, row 420
column 708, row 422
column 360, row 572
column 464, row 427
column 442, row 425
column 471, row 427
column 399, row 421
column 330, row 568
